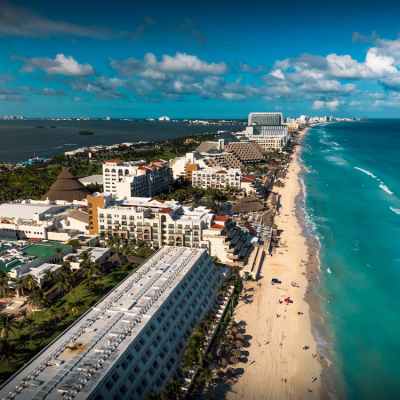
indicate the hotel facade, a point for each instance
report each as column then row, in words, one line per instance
column 131, row 343
column 217, row 178
column 267, row 130
column 154, row 222
column 136, row 179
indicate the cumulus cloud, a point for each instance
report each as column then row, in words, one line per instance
column 335, row 76
column 60, row 65
column 183, row 62
column 102, row 87
column 175, row 76
column 150, row 66
column 330, row 105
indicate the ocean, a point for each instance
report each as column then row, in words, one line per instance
column 352, row 184
column 20, row 140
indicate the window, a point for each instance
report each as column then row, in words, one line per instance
column 115, row 376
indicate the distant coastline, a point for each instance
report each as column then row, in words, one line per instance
column 22, row 140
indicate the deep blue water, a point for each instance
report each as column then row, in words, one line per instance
column 353, row 201
column 20, row 140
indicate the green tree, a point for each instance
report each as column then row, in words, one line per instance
column 8, row 326
column 4, row 287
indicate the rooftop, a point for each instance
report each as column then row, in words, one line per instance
column 78, row 360
column 25, row 211
column 67, row 188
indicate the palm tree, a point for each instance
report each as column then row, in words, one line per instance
column 37, row 298
column 48, row 276
column 29, row 283
column 8, row 325
column 4, row 288
column 19, row 286
column 62, row 282
column 75, row 307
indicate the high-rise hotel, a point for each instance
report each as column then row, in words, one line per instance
column 267, row 130
column 130, row 344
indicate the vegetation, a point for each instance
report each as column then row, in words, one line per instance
column 210, row 198
column 32, row 182
column 64, row 296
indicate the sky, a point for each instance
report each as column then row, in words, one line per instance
column 219, row 59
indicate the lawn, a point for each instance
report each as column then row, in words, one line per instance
column 46, row 249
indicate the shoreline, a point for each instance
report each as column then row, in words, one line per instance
column 331, row 385
column 290, row 363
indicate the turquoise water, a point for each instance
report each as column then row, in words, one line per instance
column 353, row 202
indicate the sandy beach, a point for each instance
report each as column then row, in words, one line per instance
column 284, row 362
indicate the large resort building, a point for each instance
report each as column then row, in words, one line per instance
column 130, row 344
column 217, row 178
column 267, row 130
column 167, row 223
column 136, row 179
column 158, row 223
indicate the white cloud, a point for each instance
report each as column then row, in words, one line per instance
column 278, row 74
column 152, row 68
column 182, row 62
column 60, row 65
column 331, row 105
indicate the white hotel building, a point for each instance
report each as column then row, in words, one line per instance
column 130, row 179
column 28, row 220
column 267, row 130
column 155, row 222
column 217, row 178
column 130, row 344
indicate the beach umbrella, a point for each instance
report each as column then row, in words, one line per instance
column 236, row 353
column 238, row 343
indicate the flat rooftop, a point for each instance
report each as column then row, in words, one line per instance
column 24, row 211
column 77, row 361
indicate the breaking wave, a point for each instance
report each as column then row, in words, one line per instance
column 382, row 184
column 395, row 210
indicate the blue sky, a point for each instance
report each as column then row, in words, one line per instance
column 203, row 59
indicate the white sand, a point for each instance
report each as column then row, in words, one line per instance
column 276, row 351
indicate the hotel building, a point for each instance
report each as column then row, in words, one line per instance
column 136, row 179
column 245, row 152
column 158, row 223
column 130, row 344
column 28, row 220
column 267, row 130
column 217, row 178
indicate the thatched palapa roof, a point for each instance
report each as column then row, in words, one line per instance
column 67, row 188
column 247, row 204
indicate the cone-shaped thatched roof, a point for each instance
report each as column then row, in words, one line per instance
column 67, row 188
